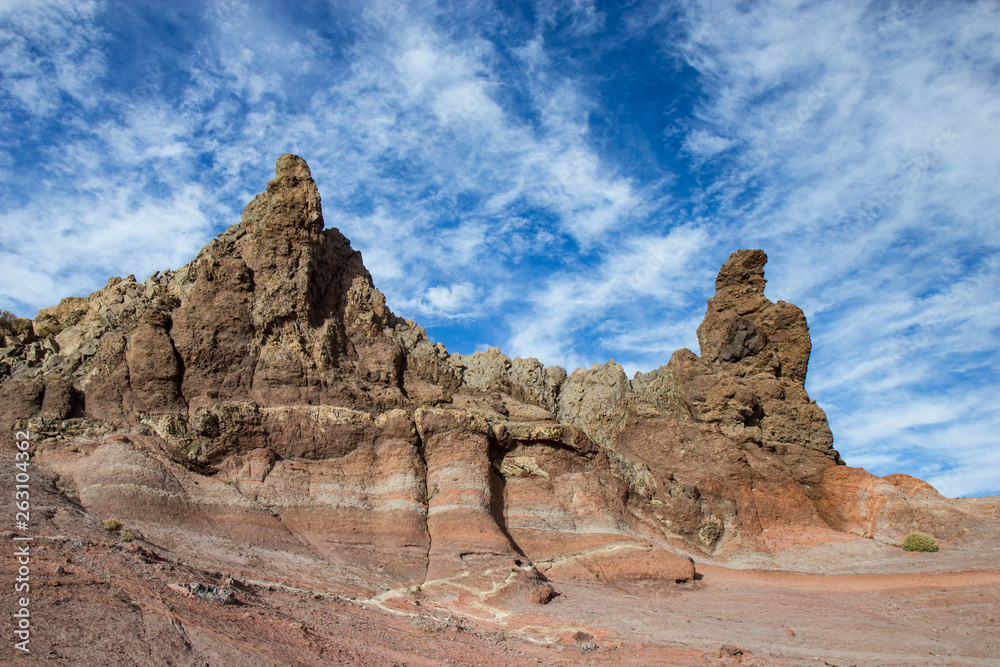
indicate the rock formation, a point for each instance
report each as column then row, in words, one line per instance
column 265, row 395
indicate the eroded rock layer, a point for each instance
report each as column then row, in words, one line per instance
column 266, row 395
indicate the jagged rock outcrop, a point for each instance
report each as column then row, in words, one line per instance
column 265, row 389
column 750, row 377
column 266, row 394
column 275, row 310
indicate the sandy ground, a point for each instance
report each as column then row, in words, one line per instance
column 98, row 601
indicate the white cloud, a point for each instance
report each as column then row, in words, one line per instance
column 704, row 144
column 114, row 197
column 643, row 273
column 855, row 142
column 455, row 300
column 867, row 144
column 49, row 49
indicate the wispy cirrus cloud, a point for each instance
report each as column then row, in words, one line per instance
column 864, row 143
column 559, row 179
column 49, row 55
column 612, row 295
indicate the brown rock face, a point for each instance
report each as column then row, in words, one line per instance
column 264, row 398
column 154, row 368
column 756, row 354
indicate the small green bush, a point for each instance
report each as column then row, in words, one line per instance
column 113, row 524
column 127, row 536
column 917, row 541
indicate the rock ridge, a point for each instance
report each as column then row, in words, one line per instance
column 265, row 393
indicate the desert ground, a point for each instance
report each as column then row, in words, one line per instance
column 96, row 600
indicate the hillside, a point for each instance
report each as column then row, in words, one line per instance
column 346, row 490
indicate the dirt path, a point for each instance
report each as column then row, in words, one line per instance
column 851, row 583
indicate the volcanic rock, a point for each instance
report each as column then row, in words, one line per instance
column 264, row 396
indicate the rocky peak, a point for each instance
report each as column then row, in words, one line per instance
column 747, row 334
column 275, row 309
column 750, row 377
column 740, row 280
column 273, row 344
column 261, row 413
column 290, row 206
column 292, row 261
column 299, row 304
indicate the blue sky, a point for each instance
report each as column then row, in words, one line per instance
column 559, row 179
